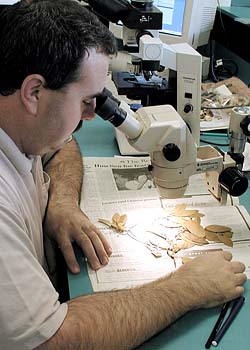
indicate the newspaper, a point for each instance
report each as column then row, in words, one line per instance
column 116, row 184
column 123, row 185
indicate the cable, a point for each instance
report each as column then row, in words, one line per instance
column 221, row 20
column 220, row 107
column 214, row 143
column 221, row 69
column 225, row 69
column 212, row 59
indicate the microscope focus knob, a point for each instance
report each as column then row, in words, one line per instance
column 171, row 152
column 233, row 181
column 245, row 125
column 188, row 108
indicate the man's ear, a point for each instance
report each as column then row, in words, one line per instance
column 31, row 91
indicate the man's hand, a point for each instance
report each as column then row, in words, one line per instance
column 214, row 278
column 66, row 224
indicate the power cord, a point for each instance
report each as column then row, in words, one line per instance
column 224, row 69
column 215, row 143
column 221, row 69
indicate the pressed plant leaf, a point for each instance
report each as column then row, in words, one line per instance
column 226, row 240
column 123, row 219
column 183, row 245
column 186, row 235
column 212, row 236
column 195, row 228
column 116, row 217
column 228, row 234
column 105, row 222
column 217, row 228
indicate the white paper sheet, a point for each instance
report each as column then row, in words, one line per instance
column 148, row 227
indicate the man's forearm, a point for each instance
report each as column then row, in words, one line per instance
column 66, row 172
column 65, row 222
column 121, row 320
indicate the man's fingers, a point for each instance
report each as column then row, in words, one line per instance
column 101, row 245
column 100, row 250
column 69, row 256
column 238, row 266
column 239, row 291
column 228, row 256
column 105, row 243
column 240, row 279
column 96, row 236
column 93, row 249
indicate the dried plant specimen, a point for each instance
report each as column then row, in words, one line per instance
column 217, row 228
column 189, row 231
column 156, row 251
column 181, row 211
column 180, row 244
column 194, row 227
column 118, row 222
column 219, row 234
column 194, row 233
column 211, row 236
column 228, row 234
column 190, row 237
column 225, row 240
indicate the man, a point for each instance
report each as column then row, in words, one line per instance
column 54, row 60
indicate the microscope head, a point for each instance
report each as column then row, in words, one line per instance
column 159, row 131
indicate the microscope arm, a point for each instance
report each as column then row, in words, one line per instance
column 187, row 63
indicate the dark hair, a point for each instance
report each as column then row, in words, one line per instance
column 49, row 38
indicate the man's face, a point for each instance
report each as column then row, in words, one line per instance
column 61, row 111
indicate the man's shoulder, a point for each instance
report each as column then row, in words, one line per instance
column 11, row 183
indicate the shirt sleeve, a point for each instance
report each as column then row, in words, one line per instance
column 30, row 312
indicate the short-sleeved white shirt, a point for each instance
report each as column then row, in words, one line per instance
column 30, row 312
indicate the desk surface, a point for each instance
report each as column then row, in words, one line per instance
column 236, row 11
column 97, row 138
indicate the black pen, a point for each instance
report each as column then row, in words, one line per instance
column 217, row 325
column 233, row 313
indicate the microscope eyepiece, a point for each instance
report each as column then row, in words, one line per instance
column 107, row 107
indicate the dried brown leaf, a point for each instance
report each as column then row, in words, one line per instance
column 227, row 241
column 217, row 228
column 105, row 222
column 189, row 213
column 120, row 227
column 190, row 237
column 195, row 228
column 116, row 217
column 228, row 234
column 212, row 236
column 178, row 208
column 123, row 219
column 183, row 245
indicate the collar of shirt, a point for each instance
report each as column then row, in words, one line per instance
column 12, row 152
